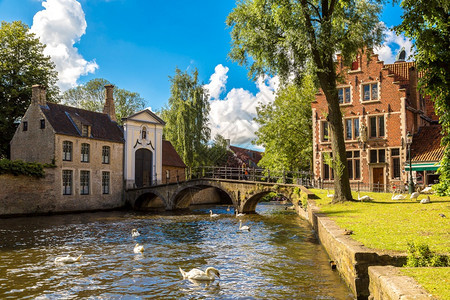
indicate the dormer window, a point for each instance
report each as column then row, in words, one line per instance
column 24, row 125
column 144, row 133
column 42, row 123
column 84, row 130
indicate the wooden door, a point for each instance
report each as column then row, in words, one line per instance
column 378, row 178
column 143, row 167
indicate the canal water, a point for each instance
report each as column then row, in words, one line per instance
column 279, row 258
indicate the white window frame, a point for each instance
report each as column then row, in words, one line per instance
column 377, row 135
column 363, row 84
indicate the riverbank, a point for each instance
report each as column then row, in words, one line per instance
column 358, row 235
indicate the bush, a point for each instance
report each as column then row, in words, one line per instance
column 19, row 167
column 420, row 255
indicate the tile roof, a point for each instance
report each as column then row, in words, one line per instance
column 426, row 144
column 401, row 71
column 63, row 119
column 245, row 154
column 170, row 156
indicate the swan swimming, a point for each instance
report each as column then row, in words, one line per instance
column 135, row 233
column 238, row 214
column 138, row 248
column 67, row 259
column 197, row 274
column 212, row 215
column 243, row 228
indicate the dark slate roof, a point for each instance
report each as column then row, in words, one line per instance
column 63, row 119
column 426, row 145
column 170, row 156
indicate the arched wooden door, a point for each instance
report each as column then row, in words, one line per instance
column 143, row 167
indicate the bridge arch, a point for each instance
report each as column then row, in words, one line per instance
column 249, row 206
column 149, row 200
column 184, row 196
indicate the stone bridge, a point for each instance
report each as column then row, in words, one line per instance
column 243, row 195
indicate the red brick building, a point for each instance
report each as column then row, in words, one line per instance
column 380, row 105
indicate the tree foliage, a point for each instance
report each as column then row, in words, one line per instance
column 427, row 23
column 22, row 64
column 91, row 96
column 293, row 37
column 186, row 117
column 285, row 128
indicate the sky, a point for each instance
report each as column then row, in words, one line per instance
column 137, row 44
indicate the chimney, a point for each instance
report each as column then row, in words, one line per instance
column 228, row 143
column 38, row 95
column 109, row 108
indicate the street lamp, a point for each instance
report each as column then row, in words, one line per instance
column 409, row 142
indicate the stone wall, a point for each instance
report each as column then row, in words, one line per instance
column 351, row 258
column 24, row 195
column 387, row 283
column 176, row 174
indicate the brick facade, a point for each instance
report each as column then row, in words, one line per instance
column 380, row 105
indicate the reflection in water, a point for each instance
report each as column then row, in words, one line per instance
column 279, row 258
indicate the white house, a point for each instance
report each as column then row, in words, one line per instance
column 143, row 149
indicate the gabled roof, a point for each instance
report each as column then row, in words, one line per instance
column 170, row 156
column 426, row 145
column 63, row 119
column 246, row 154
column 153, row 115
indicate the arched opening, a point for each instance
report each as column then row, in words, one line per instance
column 143, row 167
column 251, row 203
column 201, row 195
column 149, row 202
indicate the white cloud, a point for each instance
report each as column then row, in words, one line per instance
column 392, row 45
column 232, row 117
column 217, row 81
column 60, row 25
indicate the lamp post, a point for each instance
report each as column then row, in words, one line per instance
column 411, row 182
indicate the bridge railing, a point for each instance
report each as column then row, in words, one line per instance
column 251, row 174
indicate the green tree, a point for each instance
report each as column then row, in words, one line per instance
column 427, row 23
column 293, row 37
column 216, row 154
column 186, row 117
column 285, row 128
column 91, row 96
column 22, row 64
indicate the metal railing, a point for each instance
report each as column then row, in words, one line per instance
column 251, row 174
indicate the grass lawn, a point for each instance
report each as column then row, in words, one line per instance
column 386, row 224
column 434, row 280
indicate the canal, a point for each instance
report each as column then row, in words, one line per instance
column 280, row 258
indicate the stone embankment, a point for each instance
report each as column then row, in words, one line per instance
column 369, row 274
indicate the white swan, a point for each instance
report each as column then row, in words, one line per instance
column 425, row 200
column 135, row 233
column 397, row 197
column 138, row 248
column 427, row 190
column 238, row 214
column 414, row 195
column 364, row 198
column 329, row 195
column 67, row 259
column 212, row 215
column 197, row 274
column 243, row 228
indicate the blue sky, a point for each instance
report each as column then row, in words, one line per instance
column 137, row 45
